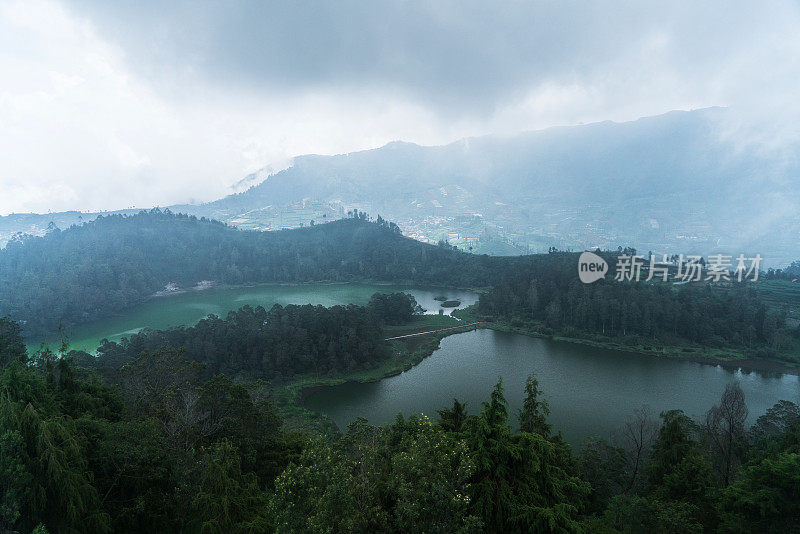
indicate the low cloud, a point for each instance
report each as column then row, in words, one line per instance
column 112, row 104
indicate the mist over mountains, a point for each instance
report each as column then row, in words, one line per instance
column 673, row 183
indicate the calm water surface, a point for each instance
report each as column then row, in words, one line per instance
column 591, row 391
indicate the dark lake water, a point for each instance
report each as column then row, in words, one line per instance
column 591, row 391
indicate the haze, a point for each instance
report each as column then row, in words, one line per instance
column 112, row 105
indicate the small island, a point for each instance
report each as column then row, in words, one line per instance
column 451, row 304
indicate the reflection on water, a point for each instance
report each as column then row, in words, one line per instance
column 591, row 391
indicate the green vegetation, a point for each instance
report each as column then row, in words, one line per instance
column 160, row 451
column 722, row 322
column 782, row 294
column 109, row 265
column 288, row 393
column 189, row 307
column 337, row 344
column 159, row 445
column 200, row 428
column 283, row 341
column 104, row 267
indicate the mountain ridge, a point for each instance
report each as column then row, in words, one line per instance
column 696, row 191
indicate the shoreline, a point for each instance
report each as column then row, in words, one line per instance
column 744, row 365
column 412, row 360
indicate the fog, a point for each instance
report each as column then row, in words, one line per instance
column 107, row 106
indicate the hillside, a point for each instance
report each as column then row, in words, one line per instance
column 674, row 183
column 658, row 183
column 105, row 266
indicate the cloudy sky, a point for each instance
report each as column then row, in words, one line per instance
column 105, row 105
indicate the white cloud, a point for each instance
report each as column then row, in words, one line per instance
column 89, row 121
column 84, row 132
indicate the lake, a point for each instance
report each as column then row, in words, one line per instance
column 591, row 391
column 189, row 307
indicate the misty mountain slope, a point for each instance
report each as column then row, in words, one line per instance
column 671, row 183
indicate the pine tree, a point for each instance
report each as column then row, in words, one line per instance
column 453, row 419
column 534, row 412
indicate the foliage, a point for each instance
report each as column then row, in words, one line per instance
column 547, row 290
column 534, row 412
column 519, row 485
column 282, row 341
column 453, row 419
column 161, row 445
column 12, row 349
column 114, row 262
column 397, row 478
column 765, row 498
column 187, row 455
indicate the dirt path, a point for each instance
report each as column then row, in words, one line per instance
column 434, row 331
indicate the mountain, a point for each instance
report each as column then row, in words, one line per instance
column 674, row 183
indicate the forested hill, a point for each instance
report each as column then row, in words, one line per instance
column 101, row 268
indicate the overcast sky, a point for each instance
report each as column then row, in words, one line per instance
column 105, row 105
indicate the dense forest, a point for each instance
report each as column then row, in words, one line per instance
column 161, row 446
column 546, row 290
column 284, row 341
column 105, row 266
column 172, row 430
